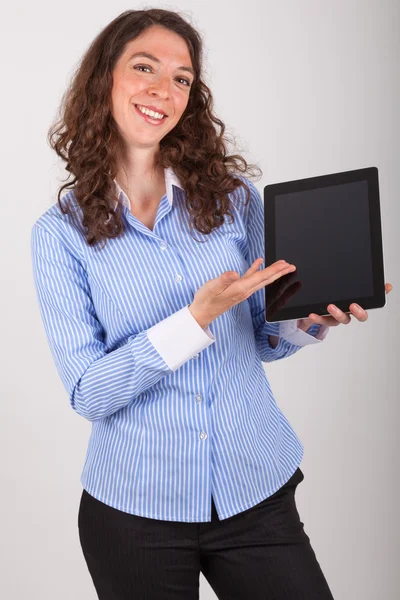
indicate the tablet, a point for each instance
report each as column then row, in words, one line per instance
column 329, row 227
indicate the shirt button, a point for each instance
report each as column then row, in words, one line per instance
column 198, row 397
column 163, row 245
column 178, row 277
column 203, row 435
column 196, row 355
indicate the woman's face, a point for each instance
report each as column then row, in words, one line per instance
column 162, row 82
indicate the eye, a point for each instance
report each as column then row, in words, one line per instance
column 188, row 84
column 187, row 81
column 141, row 67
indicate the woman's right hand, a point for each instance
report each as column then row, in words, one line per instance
column 218, row 295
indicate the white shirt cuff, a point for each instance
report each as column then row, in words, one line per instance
column 179, row 337
column 290, row 332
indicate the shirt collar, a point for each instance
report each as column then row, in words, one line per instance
column 170, row 179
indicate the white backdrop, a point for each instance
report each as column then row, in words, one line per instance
column 308, row 88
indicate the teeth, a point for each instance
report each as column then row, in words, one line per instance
column 151, row 113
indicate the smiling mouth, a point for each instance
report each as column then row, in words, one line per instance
column 149, row 116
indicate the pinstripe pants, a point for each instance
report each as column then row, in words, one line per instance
column 262, row 553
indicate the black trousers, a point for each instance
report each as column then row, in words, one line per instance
column 262, row 553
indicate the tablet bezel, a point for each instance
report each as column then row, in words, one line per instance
column 378, row 299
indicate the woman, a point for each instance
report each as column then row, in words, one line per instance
column 159, row 336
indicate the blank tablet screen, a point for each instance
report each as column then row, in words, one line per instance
column 330, row 266
column 325, row 231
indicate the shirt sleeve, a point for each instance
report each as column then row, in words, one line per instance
column 100, row 382
column 291, row 338
column 315, row 334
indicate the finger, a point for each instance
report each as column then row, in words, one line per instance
column 258, row 262
column 327, row 321
column 388, row 287
column 277, row 271
column 358, row 312
column 265, row 276
column 338, row 314
column 254, row 267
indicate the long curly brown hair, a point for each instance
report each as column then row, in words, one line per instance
column 86, row 137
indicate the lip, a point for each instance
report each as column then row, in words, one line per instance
column 159, row 110
column 149, row 120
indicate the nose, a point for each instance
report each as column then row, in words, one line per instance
column 160, row 86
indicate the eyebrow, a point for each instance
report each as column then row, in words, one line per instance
column 157, row 60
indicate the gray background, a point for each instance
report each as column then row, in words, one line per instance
column 307, row 88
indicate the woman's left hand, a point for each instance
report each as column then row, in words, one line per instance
column 338, row 316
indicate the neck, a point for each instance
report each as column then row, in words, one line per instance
column 142, row 181
column 139, row 169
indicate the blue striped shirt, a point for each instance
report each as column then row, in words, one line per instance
column 178, row 412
